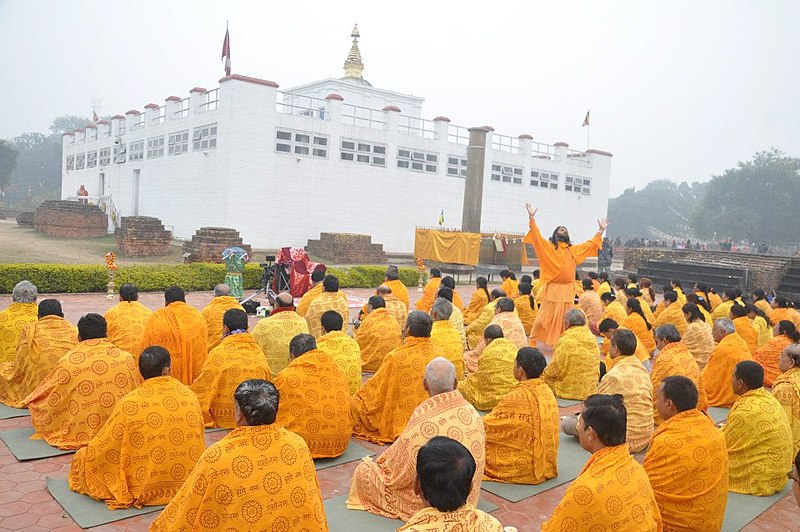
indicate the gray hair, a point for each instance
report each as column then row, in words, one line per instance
column 442, row 308
column 574, row 317
column 257, row 400
column 222, row 290
column 725, row 325
column 668, row 332
column 419, row 324
column 301, row 344
column 24, row 292
column 440, row 376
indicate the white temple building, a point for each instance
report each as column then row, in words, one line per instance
column 335, row 155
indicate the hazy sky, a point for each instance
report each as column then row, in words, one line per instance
column 680, row 90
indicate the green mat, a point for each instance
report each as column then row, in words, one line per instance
column 742, row 509
column 353, row 452
column 718, row 414
column 23, row 448
column 567, row 402
column 215, row 429
column 8, row 412
column 86, row 511
column 340, row 519
column 571, row 458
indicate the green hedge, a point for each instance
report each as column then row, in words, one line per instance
column 60, row 278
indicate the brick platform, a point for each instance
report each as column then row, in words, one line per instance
column 346, row 248
column 208, row 243
column 70, row 219
column 25, row 219
column 142, row 236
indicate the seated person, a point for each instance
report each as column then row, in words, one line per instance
column 392, row 280
column 342, row 349
column 329, row 299
column 213, row 313
column 526, row 306
column 395, row 307
column 480, row 298
column 672, row 314
column 522, row 430
column 127, row 319
column 575, row 369
column 691, row 493
column 612, row 491
column 315, row 399
column 236, row 358
column 674, row 358
column 456, row 317
column 476, row 327
column 445, row 470
column 506, row 317
column 315, row 290
column 273, row 333
column 258, row 477
column 425, row 302
column 386, row 486
column 154, row 435
column 591, row 305
column 787, row 389
column 383, row 405
column 744, row 327
column 757, row 435
column 494, row 375
column 378, row 334
column 769, row 354
column 20, row 313
column 445, row 336
column 74, row 400
column 718, row 373
column 607, row 328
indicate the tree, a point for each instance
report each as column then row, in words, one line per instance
column 68, row 123
column 8, row 161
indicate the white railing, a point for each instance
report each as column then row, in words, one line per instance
column 418, row 127
column 106, row 204
column 183, row 108
column 458, row 135
column 362, row 116
column 139, row 122
column 298, row 105
column 212, row 100
column 578, row 158
column 161, row 117
column 506, row 144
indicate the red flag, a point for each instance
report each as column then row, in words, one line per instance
column 226, row 52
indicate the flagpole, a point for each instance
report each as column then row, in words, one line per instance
column 588, row 130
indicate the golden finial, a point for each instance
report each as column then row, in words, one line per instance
column 353, row 66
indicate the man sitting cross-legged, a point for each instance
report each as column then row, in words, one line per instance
column 445, row 471
column 342, row 349
column 315, row 399
column 213, row 314
column 718, row 373
column 378, row 334
column 236, row 358
column 258, row 477
column 127, row 319
column 494, row 376
column 149, row 444
column 575, row 369
column 330, row 299
column 386, row 486
column 456, row 317
column 522, row 430
column 74, row 400
column 274, row 333
column 13, row 320
column 612, row 492
column 445, row 336
column 687, row 462
column 757, row 435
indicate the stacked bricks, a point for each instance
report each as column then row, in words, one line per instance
column 70, row 219
column 142, row 236
column 346, row 248
column 208, row 243
column 25, row 219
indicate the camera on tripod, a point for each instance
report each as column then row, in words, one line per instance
column 269, row 272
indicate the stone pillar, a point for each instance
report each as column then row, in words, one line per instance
column 116, row 125
column 391, row 114
column 173, row 104
column 333, row 107
column 131, row 117
column 526, row 144
column 561, row 151
column 150, row 114
column 473, row 187
column 197, row 97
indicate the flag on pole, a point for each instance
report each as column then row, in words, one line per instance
column 95, row 118
column 441, row 218
column 226, row 52
column 586, row 120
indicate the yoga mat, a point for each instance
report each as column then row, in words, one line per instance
column 571, row 459
column 718, row 414
column 742, row 509
column 340, row 519
column 353, row 452
column 8, row 412
column 25, row 449
column 86, row 511
column 567, row 402
column 214, row 429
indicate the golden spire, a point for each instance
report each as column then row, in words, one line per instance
column 353, row 66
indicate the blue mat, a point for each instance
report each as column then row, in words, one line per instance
column 23, row 448
column 353, row 452
column 8, row 412
column 742, row 509
column 718, row 414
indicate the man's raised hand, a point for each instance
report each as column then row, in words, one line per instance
column 531, row 211
column 602, row 223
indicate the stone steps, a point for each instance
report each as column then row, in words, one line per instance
column 142, row 236
column 70, row 219
column 346, row 248
column 208, row 243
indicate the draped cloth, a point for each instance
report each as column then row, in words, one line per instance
column 447, row 246
column 213, row 314
column 74, row 400
column 787, row 391
column 718, row 373
column 255, row 478
column 714, row 300
column 126, row 322
column 382, row 407
column 768, row 356
column 446, row 337
column 723, row 310
column 457, row 321
column 13, row 321
column 386, row 486
column 522, row 435
column 465, row 518
column 322, row 304
column 494, row 377
column 614, row 311
column 675, row 359
column 236, row 359
column 399, row 290
column 145, row 450
column 429, row 294
column 788, row 314
column 688, row 469
column 476, row 304
column 315, row 403
column 612, row 492
column 42, row 344
column 346, row 353
column 397, row 309
column 510, row 287
column 764, row 306
column 273, row 335
column 557, row 265
column 763, row 330
column 759, row 442
column 630, row 378
column 589, row 302
column 478, row 325
column 512, row 327
column 635, row 323
column 640, row 353
column 182, row 331
column 308, row 297
column 699, row 341
column 671, row 315
column 378, row 334
column 526, row 313
column 745, row 329
column 574, row 371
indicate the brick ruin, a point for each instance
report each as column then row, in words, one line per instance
column 70, row 219
column 142, row 236
column 208, row 243
column 25, row 219
column 346, row 248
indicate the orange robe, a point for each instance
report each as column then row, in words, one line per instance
column 429, row 294
column 213, row 314
column 382, row 407
column 400, row 291
column 475, row 329
column 126, row 322
column 308, row 297
column 764, row 306
column 614, row 311
column 236, row 359
column 687, row 464
column 322, row 304
column 476, row 304
column 397, row 309
column 386, row 486
column 745, row 329
column 522, row 435
column 74, row 400
column 273, row 335
column 602, row 288
column 675, row 359
column 557, row 265
column 446, row 337
column 671, row 315
column 574, row 371
column 718, row 373
column 494, row 375
column 700, row 342
column 182, row 331
column 255, row 478
column 41, row 346
column 510, row 287
column 512, row 327
column 146, row 449
column 379, row 334
column 612, row 492
column 714, row 300
column 788, row 314
column 768, row 356
column 640, row 353
column 315, row 403
column 787, row 391
column 630, row 379
column 527, row 314
column 589, row 302
column 465, row 518
column 13, row 321
column 345, row 352
column 723, row 310
column 634, row 322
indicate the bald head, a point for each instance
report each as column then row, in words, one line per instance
column 222, row 290
column 284, row 300
column 382, row 290
column 440, row 376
